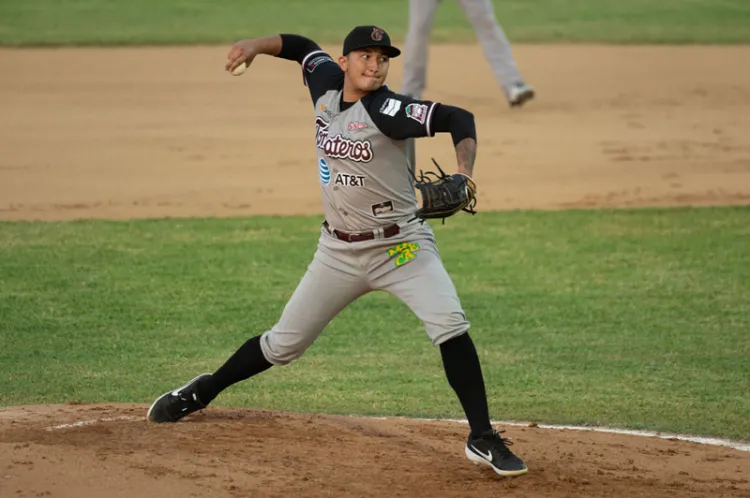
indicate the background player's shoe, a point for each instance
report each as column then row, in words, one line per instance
column 519, row 93
column 173, row 405
column 492, row 450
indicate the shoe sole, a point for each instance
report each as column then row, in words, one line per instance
column 477, row 460
column 522, row 99
column 150, row 408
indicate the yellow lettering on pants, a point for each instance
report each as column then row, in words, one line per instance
column 405, row 252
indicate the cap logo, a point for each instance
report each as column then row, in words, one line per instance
column 377, row 34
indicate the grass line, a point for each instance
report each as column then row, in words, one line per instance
column 181, row 22
column 637, row 319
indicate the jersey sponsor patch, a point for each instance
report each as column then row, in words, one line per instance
column 316, row 61
column 390, row 107
column 324, row 172
column 417, row 112
column 339, row 147
column 403, row 252
column 348, row 180
column 326, row 111
column 355, row 125
column 382, row 208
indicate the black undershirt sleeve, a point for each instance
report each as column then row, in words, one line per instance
column 296, row 47
column 320, row 72
column 400, row 117
column 454, row 120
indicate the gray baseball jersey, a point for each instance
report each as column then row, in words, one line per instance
column 364, row 177
column 366, row 186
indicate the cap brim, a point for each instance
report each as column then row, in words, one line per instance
column 390, row 50
column 393, row 52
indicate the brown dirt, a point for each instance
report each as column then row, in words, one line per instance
column 231, row 453
column 151, row 132
column 155, row 132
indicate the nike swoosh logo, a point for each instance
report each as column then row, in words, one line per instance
column 487, row 456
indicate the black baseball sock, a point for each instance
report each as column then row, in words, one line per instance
column 246, row 362
column 465, row 377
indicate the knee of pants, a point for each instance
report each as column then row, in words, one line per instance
column 281, row 347
column 450, row 326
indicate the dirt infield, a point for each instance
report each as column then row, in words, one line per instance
column 61, row 451
column 166, row 132
column 133, row 133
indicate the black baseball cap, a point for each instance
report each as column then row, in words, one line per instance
column 369, row 36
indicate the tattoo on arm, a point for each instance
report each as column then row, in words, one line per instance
column 466, row 153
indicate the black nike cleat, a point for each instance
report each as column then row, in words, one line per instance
column 492, row 450
column 173, row 405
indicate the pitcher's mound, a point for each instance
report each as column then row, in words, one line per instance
column 111, row 451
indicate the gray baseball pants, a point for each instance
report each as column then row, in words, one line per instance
column 407, row 265
column 491, row 37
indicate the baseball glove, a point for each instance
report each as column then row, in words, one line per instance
column 445, row 195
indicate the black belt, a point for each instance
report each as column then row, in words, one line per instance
column 388, row 231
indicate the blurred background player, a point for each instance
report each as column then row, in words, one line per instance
column 495, row 44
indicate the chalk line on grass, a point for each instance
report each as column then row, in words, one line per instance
column 737, row 445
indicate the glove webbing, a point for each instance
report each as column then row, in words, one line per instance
column 424, row 177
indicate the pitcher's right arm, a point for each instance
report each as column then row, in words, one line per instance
column 319, row 71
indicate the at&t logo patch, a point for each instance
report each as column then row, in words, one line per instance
column 324, row 172
column 349, row 180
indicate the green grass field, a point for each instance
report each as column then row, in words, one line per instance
column 631, row 318
column 636, row 318
column 51, row 22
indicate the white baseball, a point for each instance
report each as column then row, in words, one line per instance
column 240, row 69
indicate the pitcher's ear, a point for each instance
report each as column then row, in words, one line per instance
column 343, row 62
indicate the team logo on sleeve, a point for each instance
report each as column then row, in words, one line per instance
column 316, row 61
column 417, row 112
column 339, row 147
column 390, row 107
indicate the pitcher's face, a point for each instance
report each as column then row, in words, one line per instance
column 366, row 69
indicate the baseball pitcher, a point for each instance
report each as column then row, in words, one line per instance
column 374, row 236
